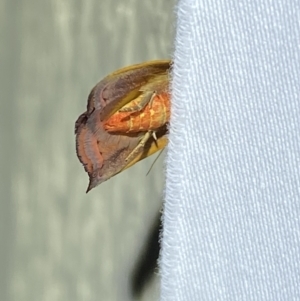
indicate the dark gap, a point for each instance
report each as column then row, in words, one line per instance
column 147, row 261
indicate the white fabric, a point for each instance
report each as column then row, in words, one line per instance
column 231, row 223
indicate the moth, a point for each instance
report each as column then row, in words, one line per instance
column 125, row 121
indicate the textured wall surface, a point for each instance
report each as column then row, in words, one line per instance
column 57, row 243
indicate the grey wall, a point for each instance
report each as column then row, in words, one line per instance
column 57, row 243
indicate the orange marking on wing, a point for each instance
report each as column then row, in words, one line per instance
column 153, row 116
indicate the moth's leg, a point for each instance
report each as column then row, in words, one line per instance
column 147, row 97
column 154, row 136
column 140, row 146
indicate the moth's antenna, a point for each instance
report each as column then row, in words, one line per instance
column 154, row 162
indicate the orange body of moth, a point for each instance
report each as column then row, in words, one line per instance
column 154, row 115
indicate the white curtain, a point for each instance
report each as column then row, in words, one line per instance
column 231, row 223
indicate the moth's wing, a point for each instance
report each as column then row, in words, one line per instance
column 126, row 84
column 157, row 84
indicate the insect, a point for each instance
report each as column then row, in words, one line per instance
column 147, row 113
column 132, row 91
